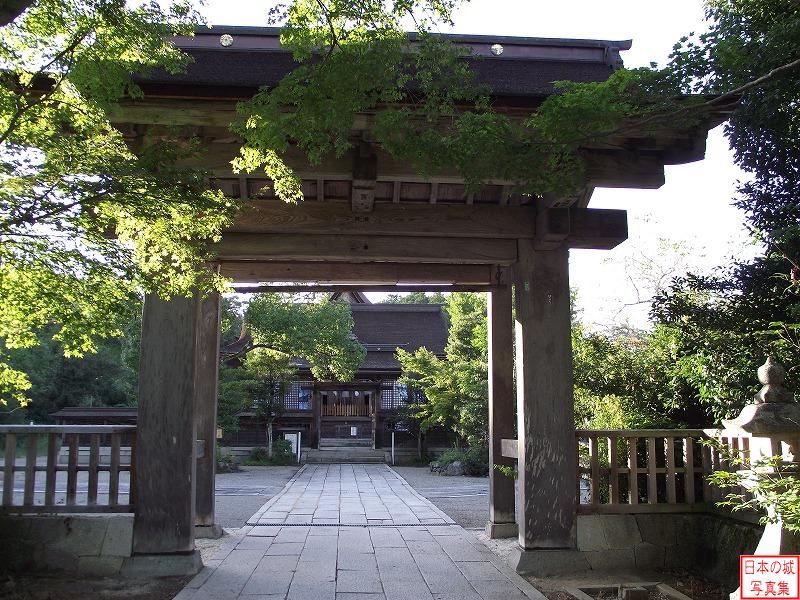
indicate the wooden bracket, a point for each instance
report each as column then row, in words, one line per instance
column 595, row 228
column 365, row 173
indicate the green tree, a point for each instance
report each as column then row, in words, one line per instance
column 355, row 57
column 416, row 298
column 261, row 382
column 287, row 330
column 456, row 386
column 86, row 222
column 729, row 321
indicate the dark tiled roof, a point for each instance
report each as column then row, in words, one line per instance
column 528, row 66
column 381, row 328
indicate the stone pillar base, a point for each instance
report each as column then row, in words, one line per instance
column 545, row 563
column 162, row 565
column 211, row 532
column 496, row 531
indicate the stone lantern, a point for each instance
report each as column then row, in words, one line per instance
column 772, row 423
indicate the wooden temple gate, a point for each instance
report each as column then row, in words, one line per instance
column 372, row 223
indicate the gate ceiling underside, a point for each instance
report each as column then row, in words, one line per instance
column 368, row 219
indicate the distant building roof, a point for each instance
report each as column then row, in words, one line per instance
column 527, row 66
column 382, row 328
column 91, row 412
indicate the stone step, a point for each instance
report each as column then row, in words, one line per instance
column 372, row 460
column 345, row 443
column 344, row 455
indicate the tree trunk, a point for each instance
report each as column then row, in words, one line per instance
column 419, row 444
column 269, row 438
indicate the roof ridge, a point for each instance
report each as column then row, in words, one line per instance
column 458, row 37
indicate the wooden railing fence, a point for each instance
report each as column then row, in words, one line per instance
column 651, row 470
column 60, row 493
column 345, row 410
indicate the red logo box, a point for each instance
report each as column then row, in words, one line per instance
column 769, row 576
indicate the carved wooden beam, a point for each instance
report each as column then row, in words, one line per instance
column 352, row 248
column 362, row 273
column 578, row 227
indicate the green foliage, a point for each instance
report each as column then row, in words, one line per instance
column 281, row 455
column 731, row 320
column 769, row 486
column 416, row 298
column 474, row 459
column 232, row 319
column 103, row 378
column 85, row 223
column 319, row 332
column 355, row 58
column 626, row 380
column 286, row 328
column 511, row 472
column 451, row 455
column 226, row 463
column 455, row 387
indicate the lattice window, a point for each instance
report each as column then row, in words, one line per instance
column 298, row 396
column 393, row 395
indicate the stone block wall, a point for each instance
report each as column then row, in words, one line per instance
column 705, row 543
column 88, row 544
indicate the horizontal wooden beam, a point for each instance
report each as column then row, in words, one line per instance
column 362, row 273
column 436, row 220
column 585, row 228
column 577, row 227
column 364, row 287
column 623, row 169
column 354, row 248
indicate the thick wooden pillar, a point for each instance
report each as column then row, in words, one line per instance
column 165, row 461
column 502, row 521
column 545, row 424
column 206, row 415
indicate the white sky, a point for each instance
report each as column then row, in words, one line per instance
column 691, row 210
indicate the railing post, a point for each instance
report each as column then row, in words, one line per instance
column 613, row 474
column 10, row 459
column 30, row 468
column 688, row 469
column 52, row 461
column 633, row 471
column 71, row 434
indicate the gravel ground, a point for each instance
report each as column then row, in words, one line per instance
column 239, row 495
column 463, row 499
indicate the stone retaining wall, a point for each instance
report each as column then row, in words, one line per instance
column 704, row 543
column 88, row 544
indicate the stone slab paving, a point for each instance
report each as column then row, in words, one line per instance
column 346, row 494
column 354, row 532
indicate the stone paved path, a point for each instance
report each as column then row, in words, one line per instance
column 354, row 532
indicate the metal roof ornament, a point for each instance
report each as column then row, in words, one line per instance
column 497, row 49
column 226, row 40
